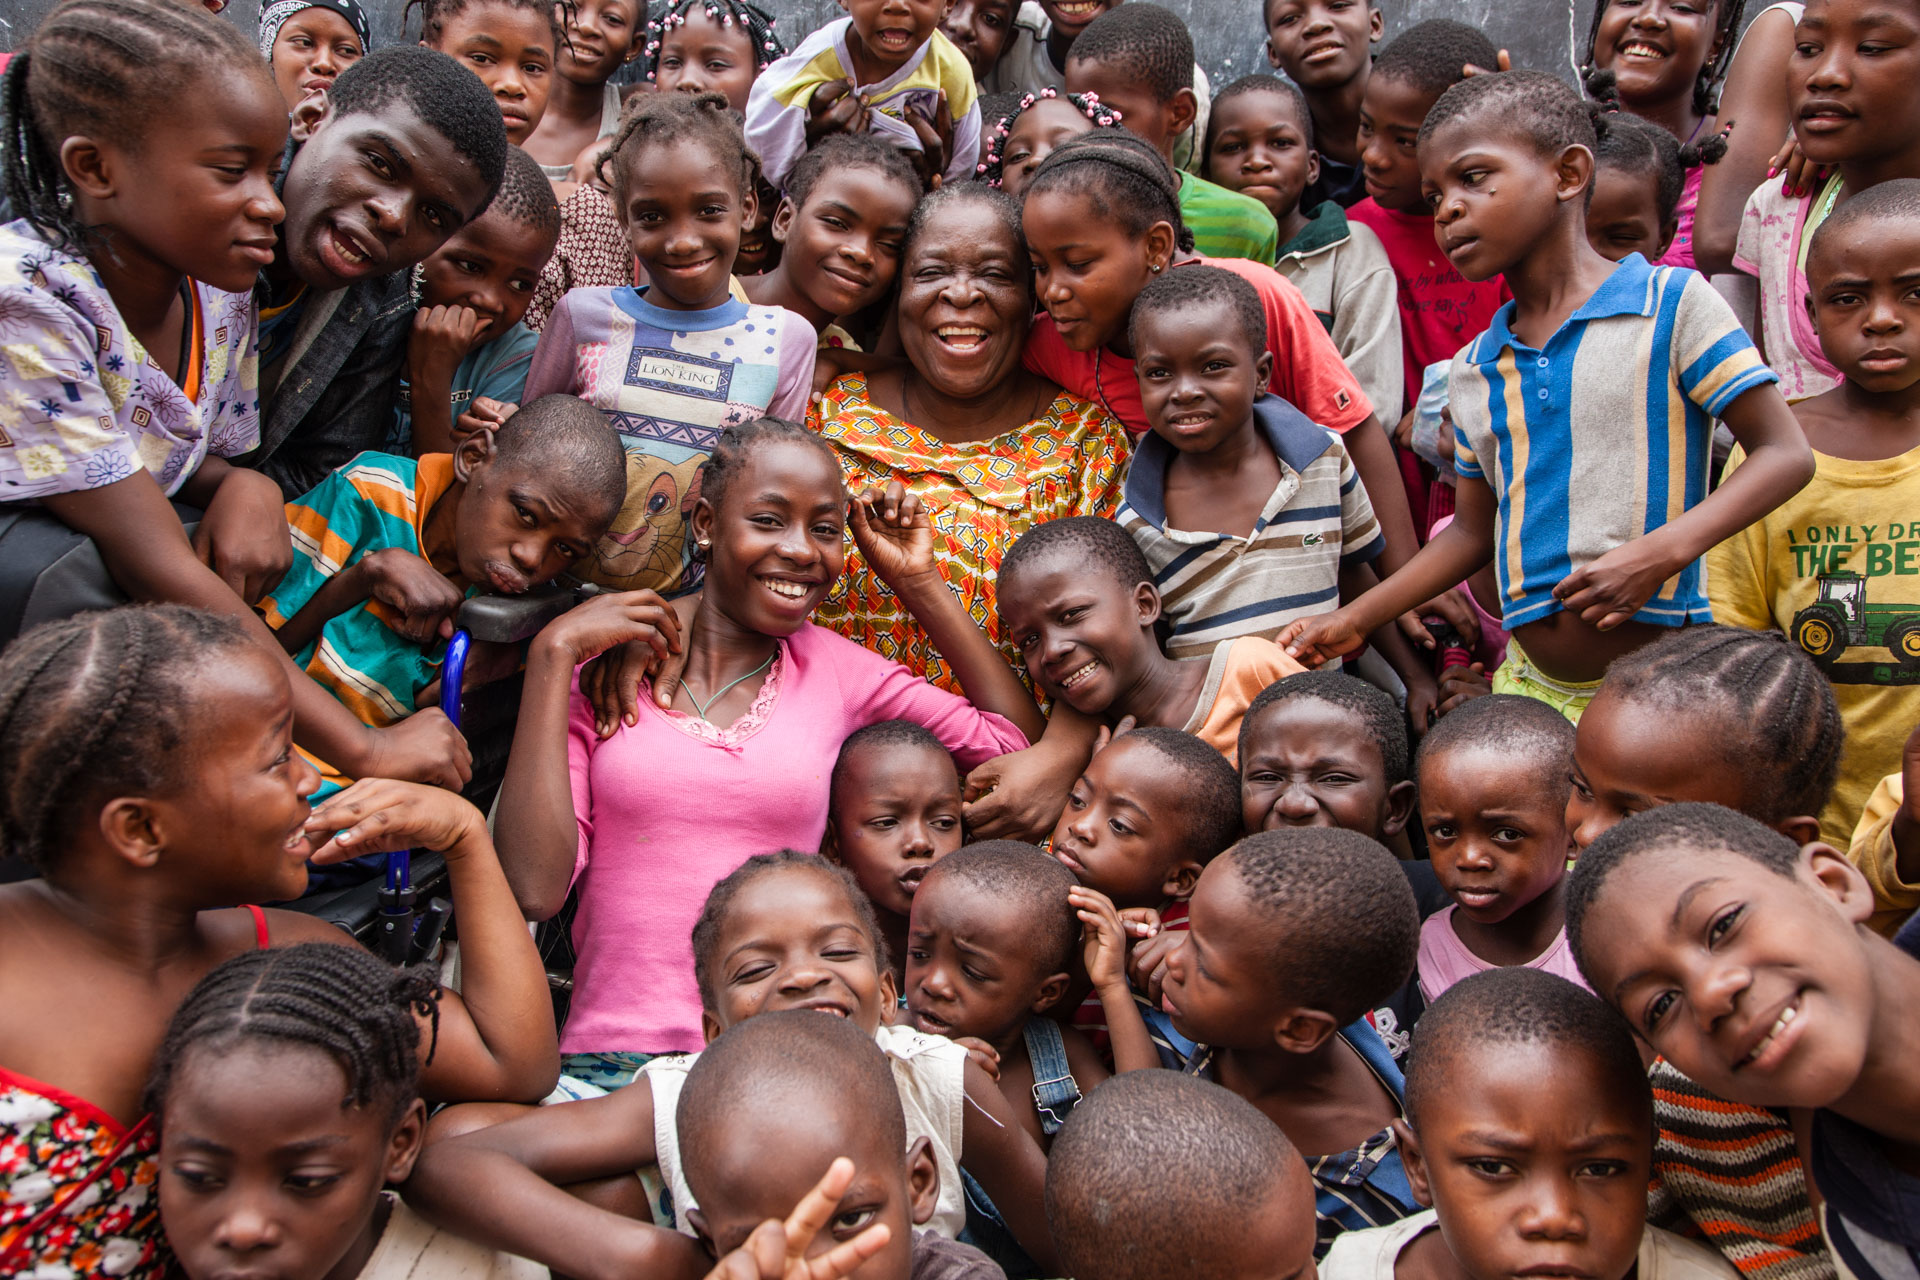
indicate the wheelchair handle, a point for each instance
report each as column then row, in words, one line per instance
column 511, row 619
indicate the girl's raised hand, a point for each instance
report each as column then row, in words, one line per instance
column 892, row 530
column 590, row 629
column 380, row 815
column 778, row 1250
column 1799, row 174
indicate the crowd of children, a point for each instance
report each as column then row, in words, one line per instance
column 1134, row 681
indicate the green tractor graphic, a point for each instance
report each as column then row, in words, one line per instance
column 1841, row 616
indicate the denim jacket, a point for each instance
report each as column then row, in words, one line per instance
column 332, row 396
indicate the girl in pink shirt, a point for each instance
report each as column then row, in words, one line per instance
column 1494, row 779
column 646, row 819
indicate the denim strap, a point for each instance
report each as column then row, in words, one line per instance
column 1055, row 1092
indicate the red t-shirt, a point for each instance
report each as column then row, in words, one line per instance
column 1440, row 311
column 1308, row 372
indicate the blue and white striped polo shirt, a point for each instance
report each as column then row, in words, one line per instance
column 1602, row 435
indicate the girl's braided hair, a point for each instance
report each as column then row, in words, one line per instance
column 1121, row 175
column 756, row 23
column 98, row 705
column 342, row 1000
column 992, row 167
column 1706, row 86
column 102, row 68
column 434, row 15
column 1771, row 708
column 676, row 117
column 738, row 442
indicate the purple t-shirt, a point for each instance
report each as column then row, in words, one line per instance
column 670, row 382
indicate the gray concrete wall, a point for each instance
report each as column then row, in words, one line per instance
column 1227, row 33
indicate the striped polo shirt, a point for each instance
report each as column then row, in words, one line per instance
column 375, row 502
column 1216, row 587
column 1603, row 434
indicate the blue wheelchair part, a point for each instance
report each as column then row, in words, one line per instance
column 402, row 933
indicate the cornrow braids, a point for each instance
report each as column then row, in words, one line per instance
column 754, row 22
column 713, row 915
column 341, row 1000
column 95, row 705
column 653, row 118
column 1121, row 176
column 102, row 68
column 435, row 13
column 738, row 442
column 1706, row 85
column 992, row 167
column 1773, row 712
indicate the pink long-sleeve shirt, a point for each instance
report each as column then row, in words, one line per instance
column 669, row 806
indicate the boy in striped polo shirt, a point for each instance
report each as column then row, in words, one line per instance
column 386, row 548
column 1583, row 416
column 1250, row 514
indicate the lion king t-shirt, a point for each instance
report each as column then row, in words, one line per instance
column 1836, row 568
column 670, row 382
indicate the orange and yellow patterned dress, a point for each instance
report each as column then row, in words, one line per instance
column 981, row 496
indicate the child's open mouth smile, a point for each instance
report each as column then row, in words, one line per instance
column 1643, row 51
column 792, row 590
column 1190, row 422
column 1077, row 677
column 1776, row 1042
column 686, row 270
column 823, row 1005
